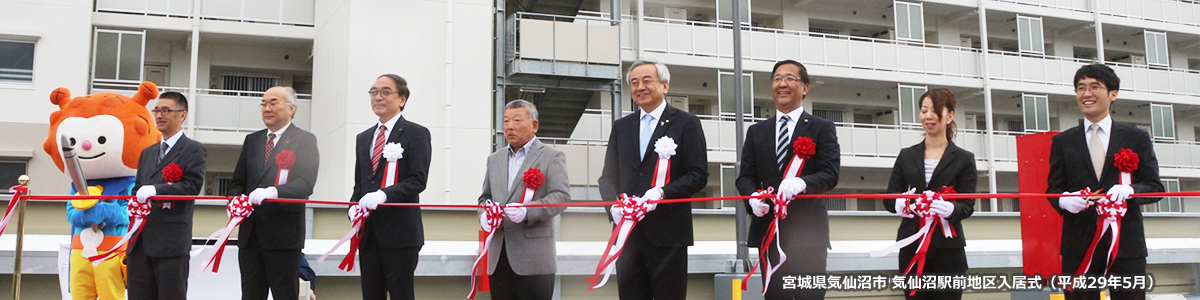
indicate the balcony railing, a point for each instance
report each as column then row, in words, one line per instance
column 1168, row 11
column 1177, row 154
column 221, row 110
column 1161, row 80
column 1076, row 5
column 285, row 12
column 1035, row 68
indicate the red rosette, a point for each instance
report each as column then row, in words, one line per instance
column 285, row 159
column 804, row 147
column 1126, row 160
column 534, row 178
column 172, row 173
column 947, row 190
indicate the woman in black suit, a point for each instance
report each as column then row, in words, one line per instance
column 929, row 166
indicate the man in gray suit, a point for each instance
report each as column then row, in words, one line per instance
column 521, row 260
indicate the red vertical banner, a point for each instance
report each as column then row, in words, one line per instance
column 482, row 270
column 1041, row 225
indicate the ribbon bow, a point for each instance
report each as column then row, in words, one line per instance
column 633, row 210
column 772, row 234
column 138, row 211
column 239, row 208
column 356, row 224
column 1109, row 214
column 495, row 215
column 921, row 209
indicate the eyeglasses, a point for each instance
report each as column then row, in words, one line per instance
column 383, row 93
column 163, row 111
column 1094, row 88
column 786, row 79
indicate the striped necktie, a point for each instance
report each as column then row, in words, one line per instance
column 781, row 142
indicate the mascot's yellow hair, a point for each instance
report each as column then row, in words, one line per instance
column 140, row 131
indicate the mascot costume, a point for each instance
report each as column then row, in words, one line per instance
column 108, row 132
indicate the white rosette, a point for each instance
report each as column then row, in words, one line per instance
column 665, row 147
column 392, row 152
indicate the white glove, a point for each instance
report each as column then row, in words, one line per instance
column 791, row 187
column 757, row 206
column 483, row 223
column 616, row 213
column 654, row 193
column 353, row 211
column 1120, row 192
column 257, row 196
column 371, row 200
column 145, row 192
column 942, row 208
column 516, row 212
column 902, row 203
column 1074, row 204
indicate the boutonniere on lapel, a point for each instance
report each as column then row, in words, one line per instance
column 1126, row 161
column 284, row 160
column 392, row 152
column 664, row 122
column 803, row 148
column 665, row 147
column 533, row 179
column 171, row 174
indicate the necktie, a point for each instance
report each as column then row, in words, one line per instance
column 270, row 147
column 644, row 137
column 162, row 153
column 781, row 142
column 1096, row 149
column 378, row 149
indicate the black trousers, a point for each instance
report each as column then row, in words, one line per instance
column 801, row 261
column 153, row 278
column 645, row 271
column 939, row 261
column 386, row 270
column 1121, row 267
column 274, row 269
column 507, row 285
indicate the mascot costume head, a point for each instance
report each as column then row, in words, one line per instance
column 108, row 132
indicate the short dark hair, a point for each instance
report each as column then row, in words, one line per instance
column 401, row 86
column 803, row 70
column 942, row 99
column 180, row 100
column 1101, row 73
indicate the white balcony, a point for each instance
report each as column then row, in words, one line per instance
column 286, row 12
column 1076, row 5
column 1168, row 11
column 1053, row 70
column 220, row 110
column 1177, row 154
column 770, row 45
column 869, row 140
column 719, row 132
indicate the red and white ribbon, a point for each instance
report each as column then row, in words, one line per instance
column 239, row 208
column 633, row 210
column 356, row 225
column 533, row 179
column 284, row 161
column 495, row 215
column 138, row 211
column 392, row 152
column 665, row 147
column 16, row 192
column 921, row 209
column 772, row 235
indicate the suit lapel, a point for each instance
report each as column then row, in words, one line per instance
column 947, row 157
column 659, row 132
column 174, row 152
column 767, row 147
column 393, row 137
column 1113, row 148
column 917, row 162
column 1081, row 151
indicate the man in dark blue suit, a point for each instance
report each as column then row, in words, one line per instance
column 765, row 154
column 1081, row 158
column 653, row 264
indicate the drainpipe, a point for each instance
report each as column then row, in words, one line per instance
column 446, row 173
column 195, row 66
column 1099, row 31
column 987, row 104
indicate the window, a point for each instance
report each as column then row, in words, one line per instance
column 1162, row 121
column 9, row 171
column 726, row 96
column 1156, row 48
column 829, row 114
column 1029, row 32
column 1037, row 116
column 1170, row 204
column 16, row 62
column 910, row 106
column 118, row 55
column 725, row 11
column 728, row 186
column 910, row 22
column 254, row 83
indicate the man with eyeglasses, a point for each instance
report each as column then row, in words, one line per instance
column 1082, row 158
column 392, row 236
column 766, row 153
column 158, row 257
column 270, row 239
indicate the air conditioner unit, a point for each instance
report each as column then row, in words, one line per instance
column 680, row 102
column 675, row 13
column 1137, row 59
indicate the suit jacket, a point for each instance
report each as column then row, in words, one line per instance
column 670, row 225
column 168, row 232
column 276, row 225
column 395, row 227
column 1071, row 170
column 530, row 244
column 956, row 169
column 807, row 224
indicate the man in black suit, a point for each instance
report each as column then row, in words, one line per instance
column 1082, row 157
column 653, row 264
column 270, row 239
column 766, row 152
column 158, row 258
column 392, row 236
